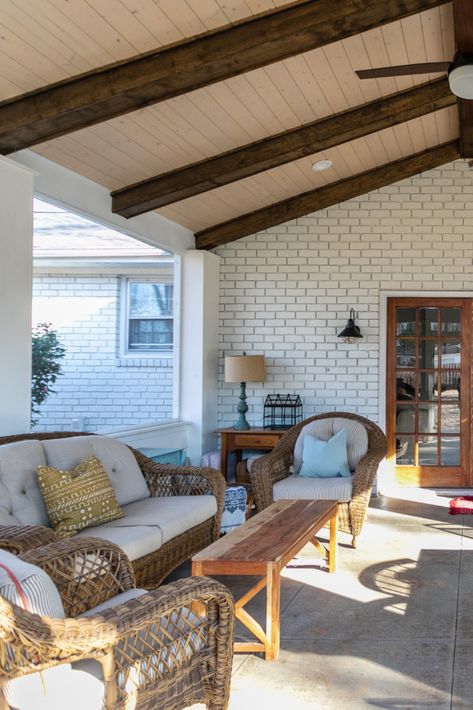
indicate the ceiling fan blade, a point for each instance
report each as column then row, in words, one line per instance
column 463, row 24
column 403, row 70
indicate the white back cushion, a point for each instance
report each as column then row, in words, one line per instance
column 118, row 461
column 324, row 429
column 39, row 590
column 20, row 499
column 55, row 688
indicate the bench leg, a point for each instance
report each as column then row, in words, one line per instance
column 273, row 594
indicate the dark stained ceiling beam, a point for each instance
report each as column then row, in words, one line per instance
column 327, row 196
column 280, row 149
column 102, row 94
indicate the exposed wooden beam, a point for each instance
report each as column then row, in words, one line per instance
column 323, row 197
column 287, row 146
column 126, row 86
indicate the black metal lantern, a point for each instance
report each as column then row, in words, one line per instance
column 351, row 333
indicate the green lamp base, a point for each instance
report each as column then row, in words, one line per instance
column 241, row 423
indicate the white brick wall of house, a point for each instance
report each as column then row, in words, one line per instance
column 286, row 292
column 98, row 390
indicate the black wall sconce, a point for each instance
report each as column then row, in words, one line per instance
column 351, row 333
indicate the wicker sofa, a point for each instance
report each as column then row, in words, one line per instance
column 99, row 642
column 274, row 475
column 170, row 512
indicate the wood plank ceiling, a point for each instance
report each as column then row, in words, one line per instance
column 44, row 41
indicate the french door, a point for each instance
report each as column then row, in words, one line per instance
column 428, row 390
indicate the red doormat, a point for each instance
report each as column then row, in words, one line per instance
column 461, row 506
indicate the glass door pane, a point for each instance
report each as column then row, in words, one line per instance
column 427, row 363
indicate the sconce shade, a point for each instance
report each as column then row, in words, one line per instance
column 351, row 333
column 245, row 368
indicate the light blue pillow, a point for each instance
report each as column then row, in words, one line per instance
column 325, row 459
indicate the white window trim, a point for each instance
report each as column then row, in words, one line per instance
column 124, row 319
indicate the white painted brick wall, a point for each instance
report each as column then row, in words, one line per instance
column 286, row 292
column 98, row 389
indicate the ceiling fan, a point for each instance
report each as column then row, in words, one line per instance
column 459, row 70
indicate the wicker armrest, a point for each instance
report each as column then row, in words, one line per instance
column 268, row 470
column 169, row 480
column 86, row 571
column 206, row 634
column 19, row 538
column 365, row 472
column 154, row 634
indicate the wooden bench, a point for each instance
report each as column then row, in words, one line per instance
column 263, row 546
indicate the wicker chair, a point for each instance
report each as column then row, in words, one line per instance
column 165, row 649
column 162, row 480
column 275, row 466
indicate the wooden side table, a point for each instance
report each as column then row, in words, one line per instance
column 237, row 440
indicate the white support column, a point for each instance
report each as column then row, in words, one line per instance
column 16, row 257
column 199, row 349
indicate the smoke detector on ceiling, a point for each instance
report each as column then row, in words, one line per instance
column 322, row 165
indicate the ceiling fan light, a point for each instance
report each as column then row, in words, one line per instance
column 461, row 81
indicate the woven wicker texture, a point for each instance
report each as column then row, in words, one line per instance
column 268, row 470
column 167, row 649
column 162, row 480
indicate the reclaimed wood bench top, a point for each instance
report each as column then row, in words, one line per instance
column 273, row 536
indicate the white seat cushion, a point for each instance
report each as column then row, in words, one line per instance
column 117, row 600
column 147, row 524
column 135, row 540
column 174, row 515
column 298, row 487
column 324, row 429
column 21, row 502
column 57, row 688
column 121, row 466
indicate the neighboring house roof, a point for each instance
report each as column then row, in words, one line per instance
column 64, row 238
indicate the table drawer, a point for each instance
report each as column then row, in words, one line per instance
column 249, row 441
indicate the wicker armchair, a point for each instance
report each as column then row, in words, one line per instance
column 151, row 649
column 162, row 480
column 275, row 466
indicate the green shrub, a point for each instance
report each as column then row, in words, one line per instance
column 46, row 367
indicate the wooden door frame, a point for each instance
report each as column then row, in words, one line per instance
column 413, row 475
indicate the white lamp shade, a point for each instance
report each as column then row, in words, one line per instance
column 245, row 368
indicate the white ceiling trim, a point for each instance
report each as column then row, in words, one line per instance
column 74, row 192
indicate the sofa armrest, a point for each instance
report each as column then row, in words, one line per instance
column 170, row 480
column 268, row 470
column 86, row 571
column 19, row 538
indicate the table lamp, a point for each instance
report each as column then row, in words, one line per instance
column 244, row 368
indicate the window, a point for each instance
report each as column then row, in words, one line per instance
column 149, row 317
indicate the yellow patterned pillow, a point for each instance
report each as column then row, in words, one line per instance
column 80, row 498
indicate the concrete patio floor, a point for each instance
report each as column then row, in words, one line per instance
column 392, row 628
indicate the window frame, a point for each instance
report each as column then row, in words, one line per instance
column 125, row 290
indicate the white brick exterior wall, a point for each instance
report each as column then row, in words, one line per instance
column 98, row 388
column 286, row 292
